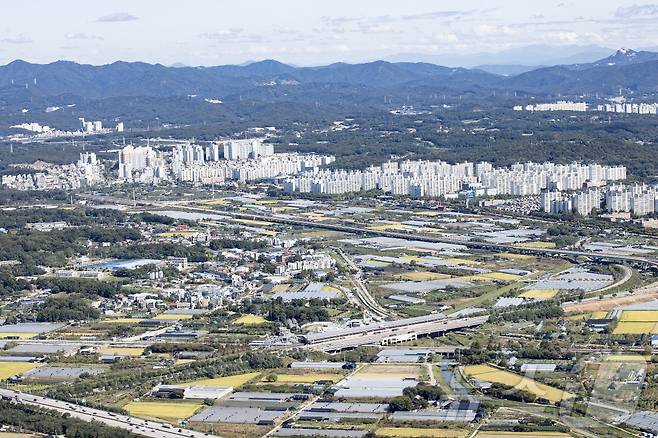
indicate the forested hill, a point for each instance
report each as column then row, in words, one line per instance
column 631, row 71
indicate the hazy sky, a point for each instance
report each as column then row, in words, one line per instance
column 305, row 32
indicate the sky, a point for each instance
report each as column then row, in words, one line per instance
column 309, row 32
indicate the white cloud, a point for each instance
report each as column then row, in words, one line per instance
column 17, row 39
column 117, row 17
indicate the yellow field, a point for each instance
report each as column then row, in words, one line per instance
column 491, row 434
column 123, row 320
column 280, row 287
column 502, row 276
column 627, row 358
column 267, row 201
column 415, row 432
column 122, row 351
column 635, row 328
column 386, row 226
column 413, row 259
column 16, row 435
column 182, row 233
column 166, row 411
column 252, row 222
column 397, row 371
column 462, row 261
column 250, row 320
column 537, row 293
column 536, row 244
column 327, row 288
column 599, row 315
column 8, row 369
column 306, row 378
column 424, row 276
column 215, row 202
column 21, row 335
column 494, row 375
column 234, row 381
column 427, row 213
column 171, row 316
column 639, row 316
column 513, row 256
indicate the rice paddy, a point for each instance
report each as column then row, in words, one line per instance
column 8, row 369
column 386, row 226
column 539, row 294
column 393, row 371
column 494, row 375
column 635, row 328
column 635, row 322
column 234, row 381
column 627, row 358
column 501, row 276
column 250, row 320
column 462, row 261
column 123, row 321
column 166, row 411
column 172, row 317
column 416, row 432
column 536, row 244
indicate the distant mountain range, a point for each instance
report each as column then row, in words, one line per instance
column 625, row 69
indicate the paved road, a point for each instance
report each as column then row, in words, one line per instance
column 136, row 425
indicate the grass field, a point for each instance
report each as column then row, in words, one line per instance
column 635, row 328
column 416, row 432
column 8, row 369
column 538, row 293
column 21, row 335
column 424, row 276
column 536, row 244
column 250, row 320
column 307, row 378
column 234, row 381
column 167, row 411
column 386, row 226
column 490, row 374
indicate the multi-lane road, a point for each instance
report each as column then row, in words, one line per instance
column 361, row 229
column 145, row 428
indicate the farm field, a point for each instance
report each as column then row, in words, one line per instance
column 416, row 432
column 123, row 321
column 536, row 244
column 250, row 320
column 171, row 316
column 122, row 351
column 487, row 434
column 513, row 256
column 167, row 411
column 639, row 315
column 234, row 381
column 635, row 328
column 424, row 276
column 17, row 335
column 307, row 378
column 8, row 369
column 502, row 276
column 627, row 358
column 393, row 371
column 490, row 374
column 610, row 303
column 542, row 294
